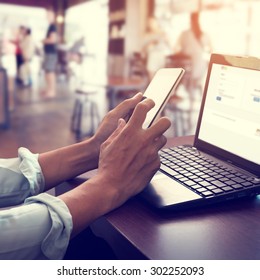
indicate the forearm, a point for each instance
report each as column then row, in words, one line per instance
column 89, row 201
column 68, row 162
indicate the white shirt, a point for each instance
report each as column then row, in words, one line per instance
column 38, row 226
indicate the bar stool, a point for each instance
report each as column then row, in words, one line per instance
column 180, row 116
column 85, row 111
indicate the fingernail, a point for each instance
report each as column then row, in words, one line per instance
column 120, row 122
column 138, row 95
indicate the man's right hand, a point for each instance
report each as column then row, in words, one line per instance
column 129, row 157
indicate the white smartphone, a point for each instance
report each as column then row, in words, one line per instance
column 160, row 90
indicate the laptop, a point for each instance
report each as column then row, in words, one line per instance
column 224, row 162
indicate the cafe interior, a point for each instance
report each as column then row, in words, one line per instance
column 105, row 56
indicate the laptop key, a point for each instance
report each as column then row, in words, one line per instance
column 184, row 179
column 207, row 193
column 201, row 190
column 189, row 183
column 227, row 189
column 224, row 179
column 168, row 170
column 193, row 177
column 218, row 183
column 189, row 174
column 230, row 182
column 205, row 176
column 246, row 184
column 230, row 176
column 212, row 173
column 179, row 176
column 210, row 179
column 204, row 183
column 217, row 191
column 211, row 187
column 197, row 186
column 237, row 186
column 200, row 173
column 198, row 180
column 219, row 176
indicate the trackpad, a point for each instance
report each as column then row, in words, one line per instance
column 164, row 191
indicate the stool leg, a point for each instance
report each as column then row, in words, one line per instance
column 92, row 115
column 74, row 115
column 84, row 107
column 78, row 122
column 96, row 116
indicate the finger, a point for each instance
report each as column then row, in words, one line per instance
column 155, row 147
column 140, row 112
column 158, row 128
column 139, row 96
column 120, row 127
column 160, row 142
column 151, row 168
column 125, row 107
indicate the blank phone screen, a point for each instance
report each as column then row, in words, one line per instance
column 159, row 90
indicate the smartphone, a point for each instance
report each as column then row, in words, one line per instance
column 160, row 90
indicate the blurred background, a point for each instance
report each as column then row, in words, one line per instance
column 107, row 50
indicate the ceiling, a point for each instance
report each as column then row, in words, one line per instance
column 34, row 3
column 55, row 4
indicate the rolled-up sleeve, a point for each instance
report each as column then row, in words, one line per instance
column 38, row 229
column 20, row 178
column 40, row 226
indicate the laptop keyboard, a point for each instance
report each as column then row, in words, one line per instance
column 203, row 175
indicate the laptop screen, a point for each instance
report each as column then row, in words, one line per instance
column 230, row 119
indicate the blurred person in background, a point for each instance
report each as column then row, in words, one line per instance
column 20, row 33
column 195, row 43
column 155, row 47
column 50, row 55
column 8, row 61
column 27, row 50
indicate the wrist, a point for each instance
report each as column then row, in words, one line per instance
column 89, row 201
column 107, row 195
column 89, row 149
column 97, row 141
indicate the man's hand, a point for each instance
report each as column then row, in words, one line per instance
column 129, row 157
column 110, row 121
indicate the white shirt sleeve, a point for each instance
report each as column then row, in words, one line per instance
column 20, row 178
column 40, row 228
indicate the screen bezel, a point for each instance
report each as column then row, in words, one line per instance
column 235, row 61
